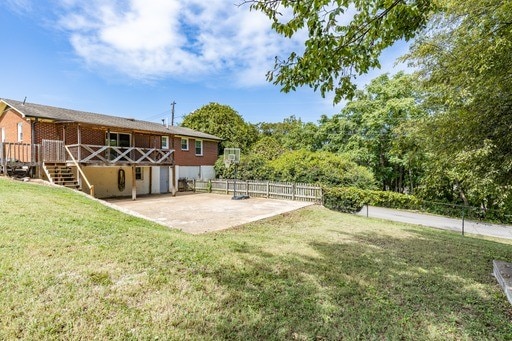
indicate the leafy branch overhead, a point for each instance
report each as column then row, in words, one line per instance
column 344, row 38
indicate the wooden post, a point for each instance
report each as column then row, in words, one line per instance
column 134, row 184
column 79, row 134
column 293, row 191
column 268, row 189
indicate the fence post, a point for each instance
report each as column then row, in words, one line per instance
column 268, row 189
column 462, row 221
column 366, row 210
column 247, row 187
column 293, row 191
column 227, row 186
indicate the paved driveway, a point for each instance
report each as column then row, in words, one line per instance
column 445, row 223
column 205, row 212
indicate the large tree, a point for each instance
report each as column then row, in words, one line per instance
column 224, row 122
column 376, row 130
column 465, row 63
column 345, row 38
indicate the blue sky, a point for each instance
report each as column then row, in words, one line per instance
column 133, row 58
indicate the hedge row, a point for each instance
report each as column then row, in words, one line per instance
column 351, row 199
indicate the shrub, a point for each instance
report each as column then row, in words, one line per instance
column 351, row 200
column 344, row 199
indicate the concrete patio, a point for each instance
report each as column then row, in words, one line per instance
column 200, row 213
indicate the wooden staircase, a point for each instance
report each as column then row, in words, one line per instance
column 61, row 174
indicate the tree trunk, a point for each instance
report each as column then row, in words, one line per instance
column 461, row 193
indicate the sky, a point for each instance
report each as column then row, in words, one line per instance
column 133, row 58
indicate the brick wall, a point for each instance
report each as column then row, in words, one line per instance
column 9, row 121
column 47, row 131
column 189, row 157
column 96, row 136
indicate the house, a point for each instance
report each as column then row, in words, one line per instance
column 108, row 156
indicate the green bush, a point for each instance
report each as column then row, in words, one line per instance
column 299, row 166
column 351, row 199
column 344, row 199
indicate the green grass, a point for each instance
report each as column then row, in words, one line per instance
column 71, row 268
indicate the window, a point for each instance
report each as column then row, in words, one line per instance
column 3, row 135
column 165, row 142
column 199, row 147
column 20, row 132
column 139, row 174
column 184, row 144
column 117, row 140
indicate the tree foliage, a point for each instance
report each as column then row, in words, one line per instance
column 464, row 61
column 292, row 133
column 224, row 122
column 301, row 166
column 345, row 38
column 375, row 130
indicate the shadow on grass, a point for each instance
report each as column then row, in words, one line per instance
column 428, row 286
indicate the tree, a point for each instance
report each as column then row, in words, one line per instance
column 464, row 63
column 345, row 38
column 224, row 122
column 375, row 130
column 292, row 133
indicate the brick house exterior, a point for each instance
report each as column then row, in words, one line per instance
column 103, row 145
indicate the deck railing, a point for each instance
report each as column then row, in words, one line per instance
column 110, row 155
column 14, row 154
column 81, row 174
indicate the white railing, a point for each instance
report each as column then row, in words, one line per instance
column 81, row 173
column 84, row 153
column 263, row 189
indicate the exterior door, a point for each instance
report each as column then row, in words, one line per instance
column 164, row 179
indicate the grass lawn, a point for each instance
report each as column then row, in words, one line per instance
column 71, row 268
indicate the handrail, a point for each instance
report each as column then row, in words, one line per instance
column 47, row 173
column 91, row 187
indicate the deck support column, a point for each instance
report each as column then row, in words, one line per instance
column 79, row 135
column 134, row 184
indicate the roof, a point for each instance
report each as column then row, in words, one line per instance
column 30, row 110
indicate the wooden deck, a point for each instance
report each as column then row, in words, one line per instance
column 15, row 156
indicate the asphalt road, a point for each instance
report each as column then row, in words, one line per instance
column 440, row 222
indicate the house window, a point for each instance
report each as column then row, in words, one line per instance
column 118, row 140
column 165, row 142
column 3, row 135
column 20, row 132
column 184, row 144
column 199, row 147
column 139, row 174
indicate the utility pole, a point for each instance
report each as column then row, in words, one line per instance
column 172, row 112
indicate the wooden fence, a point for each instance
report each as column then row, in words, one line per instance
column 262, row 189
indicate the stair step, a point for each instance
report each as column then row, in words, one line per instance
column 62, row 175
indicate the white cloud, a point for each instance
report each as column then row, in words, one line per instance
column 172, row 38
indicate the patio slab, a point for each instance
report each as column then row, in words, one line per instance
column 204, row 212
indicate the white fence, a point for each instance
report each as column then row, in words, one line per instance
column 262, row 189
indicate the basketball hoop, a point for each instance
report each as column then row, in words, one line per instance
column 231, row 156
